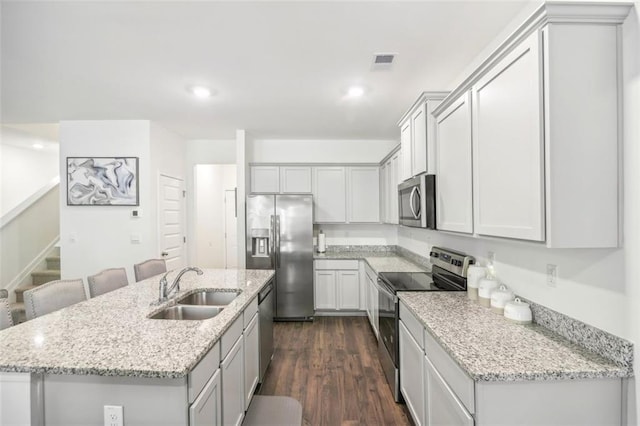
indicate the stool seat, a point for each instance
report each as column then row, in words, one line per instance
column 269, row 410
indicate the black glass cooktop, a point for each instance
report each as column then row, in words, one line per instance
column 415, row 281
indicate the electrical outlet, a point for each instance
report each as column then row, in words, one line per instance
column 491, row 257
column 113, row 415
column 552, row 275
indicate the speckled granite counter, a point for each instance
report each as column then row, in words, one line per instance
column 380, row 261
column 489, row 348
column 110, row 335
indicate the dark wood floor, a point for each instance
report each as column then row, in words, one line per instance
column 331, row 366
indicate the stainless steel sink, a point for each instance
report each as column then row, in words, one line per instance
column 209, row 298
column 184, row 312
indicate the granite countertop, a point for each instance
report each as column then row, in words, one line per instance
column 490, row 348
column 110, row 335
column 380, row 261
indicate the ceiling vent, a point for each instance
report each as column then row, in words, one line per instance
column 382, row 61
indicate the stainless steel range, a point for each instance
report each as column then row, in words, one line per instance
column 448, row 273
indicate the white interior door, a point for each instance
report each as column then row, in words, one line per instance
column 230, row 230
column 172, row 239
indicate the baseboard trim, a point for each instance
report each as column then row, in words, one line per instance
column 26, row 272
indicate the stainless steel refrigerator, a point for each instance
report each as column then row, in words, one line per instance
column 280, row 237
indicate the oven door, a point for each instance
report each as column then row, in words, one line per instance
column 388, row 317
column 388, row 349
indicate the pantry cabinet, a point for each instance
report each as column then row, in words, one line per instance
column 508, row 146
column 454, row 204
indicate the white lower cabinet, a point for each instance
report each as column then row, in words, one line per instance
column 206, row 409
column 411, row 375
column 324, row 290
column 232, row 368
column 348, row 286
column 251, row 359
column 372, row 302
column 336, row 285
column 442, row 406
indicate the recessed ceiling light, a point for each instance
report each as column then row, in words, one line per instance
column 355, row 91
column 200, row 92
column 37, row 146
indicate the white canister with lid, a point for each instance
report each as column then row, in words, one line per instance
column 474, row 274
column 485, row 288
column 518, row 312
column 499, row 298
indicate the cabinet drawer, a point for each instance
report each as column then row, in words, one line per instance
column 200, row 375
column 415, row 328
column 230, row 336
column 336, row 264
column 249, row 312
column 459, row 382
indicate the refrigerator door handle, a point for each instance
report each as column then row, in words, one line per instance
column 272, row 252
column 277, row 241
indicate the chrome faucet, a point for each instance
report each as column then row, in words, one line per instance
column 165, row 292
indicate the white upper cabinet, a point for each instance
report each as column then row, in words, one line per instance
column 419, row 140
column 508, row 146
column 454, row 208
column 547, row 108
column 330, row 194
column 363, row 195
column 265, row 179
column 405, row 142
column 389, row 180
column 416, row 135
column 280, row 179
column 295, row 179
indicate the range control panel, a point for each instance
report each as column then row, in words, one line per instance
column 453, row 261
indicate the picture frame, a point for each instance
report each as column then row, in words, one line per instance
column 102, row 181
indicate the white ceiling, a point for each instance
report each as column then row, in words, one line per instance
column 279, row 68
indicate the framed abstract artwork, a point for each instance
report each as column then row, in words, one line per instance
column 102, row 181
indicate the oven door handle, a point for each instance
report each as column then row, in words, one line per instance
column 382, row 289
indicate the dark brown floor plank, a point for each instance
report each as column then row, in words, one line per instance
column 331, row 366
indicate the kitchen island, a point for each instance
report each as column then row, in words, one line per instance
column 106, row 351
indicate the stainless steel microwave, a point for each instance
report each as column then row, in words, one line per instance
column 417, row 201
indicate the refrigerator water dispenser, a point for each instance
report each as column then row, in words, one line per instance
column 260, row 243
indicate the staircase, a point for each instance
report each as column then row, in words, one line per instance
column 51, row 273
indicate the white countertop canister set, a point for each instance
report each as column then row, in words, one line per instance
column 483, row 286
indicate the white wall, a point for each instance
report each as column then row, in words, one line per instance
column 318, row 151
column 211, row 182
column 357, row 234
column 23, row 169
column 93, row 238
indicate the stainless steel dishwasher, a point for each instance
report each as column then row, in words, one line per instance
column 265, row 310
